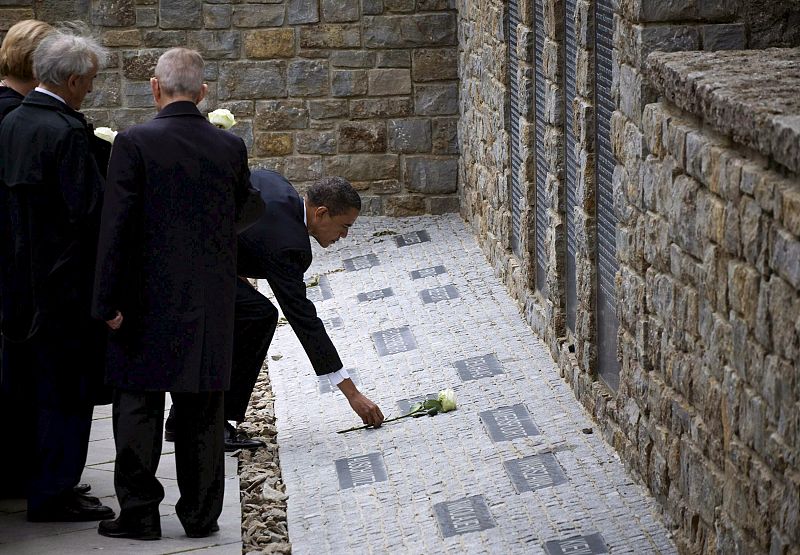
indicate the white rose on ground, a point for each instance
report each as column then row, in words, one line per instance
column 222, row 118
column 105, row 133
column 447, row 397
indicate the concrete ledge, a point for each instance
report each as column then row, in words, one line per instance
column 750, row 95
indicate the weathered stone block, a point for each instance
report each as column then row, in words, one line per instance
column 106, row 92
column 430, row 175
column 327, row 109
column 789, row 209
column 139, row 64
column 362, row 137
column 409, row 31
column 394, row 58
column 337, row 11
column 410, row 135
column 398, row 5
column 124, row 118
column 443, row 205
column 274, row 115
column 215, row 45
column 435, row 64
column 271, row 15
column 344, row 35
column 308, row 78
column 404, row 205
column 269, row 43
column 785, row 259
column 146, row 17
column 129, row 37
column 302, row 11
column 303, row 168
column 349, row 83
column 217, row 16
column 436, row 6
column 181, row 14
column 729, row 36
column 274, row 144
column 244, row 130
column 436, row 100
column 247, row 80
column 113, row 13
column 657, row 10
column 363, row 167
column 138, row 95
column 385, row 82
column 57, row 10
column 315, row 142
column 390, row 107
column 164, row 39
column 372, row 7
column 444, row 136
column 352, row 58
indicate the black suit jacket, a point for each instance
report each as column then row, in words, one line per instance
column 167, row 252
column 277, row 248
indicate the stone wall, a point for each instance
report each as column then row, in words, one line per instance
column 361, row 88
column 706, row 410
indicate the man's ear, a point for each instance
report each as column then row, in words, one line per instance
column 72, row 82
column 155, row 89
column 202, row 95
column 320, row 211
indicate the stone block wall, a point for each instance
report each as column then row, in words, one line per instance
column 366, row 89
column 705, row 411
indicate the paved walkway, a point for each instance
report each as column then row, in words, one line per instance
column 19, row 537
column 510, row 471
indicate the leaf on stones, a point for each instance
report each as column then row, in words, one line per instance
column 277, row 357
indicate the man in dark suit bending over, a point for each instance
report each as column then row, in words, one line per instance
column 277, row 248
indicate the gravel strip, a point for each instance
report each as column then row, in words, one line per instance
column 263, row 499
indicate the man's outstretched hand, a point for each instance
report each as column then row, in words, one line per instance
column 367, row 410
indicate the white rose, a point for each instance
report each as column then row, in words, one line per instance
column 222, row 118
column 105, row 133
column 447, row 397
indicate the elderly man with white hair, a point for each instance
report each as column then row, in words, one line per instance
column 53, row 197
column 165, row 285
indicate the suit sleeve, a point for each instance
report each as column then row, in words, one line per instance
column 122, row 199
column 78, row 190
column 286, row 280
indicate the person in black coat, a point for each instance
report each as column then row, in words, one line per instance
column 16, row 417
column 277, row 248
column 53, row 193
column 165, row 284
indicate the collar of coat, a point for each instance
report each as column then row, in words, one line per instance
column 41, row 100
column 179, row 108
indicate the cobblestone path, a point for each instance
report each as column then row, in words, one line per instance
column 513, row 470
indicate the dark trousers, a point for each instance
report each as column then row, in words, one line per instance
column 199, row 456
column 255, row 321
column 58, row 358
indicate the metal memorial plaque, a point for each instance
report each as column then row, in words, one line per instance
column 577, row 545
column 536, row 472
column 428, row 272
column 325, row 385
column 375, row 295
column 405, row 404
column 462, row 516
column 413, row 238
column 475, row 368
column 507, row 423
column 332, row 321
column 361, row 470
column 361, row 262
column 436, row 294
column 393, row 341
column 320, row 292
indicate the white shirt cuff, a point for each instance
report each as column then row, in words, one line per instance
column 337, row 377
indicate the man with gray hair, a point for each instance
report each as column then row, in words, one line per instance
column 165, row 284
column 53, row 195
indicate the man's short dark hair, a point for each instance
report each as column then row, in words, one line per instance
column 334, row 193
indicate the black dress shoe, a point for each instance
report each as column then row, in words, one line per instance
column 169, row 430
column 72, row 508
column 202, row 532
column 82, row 489
column 117, row 529
column 235, row 440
